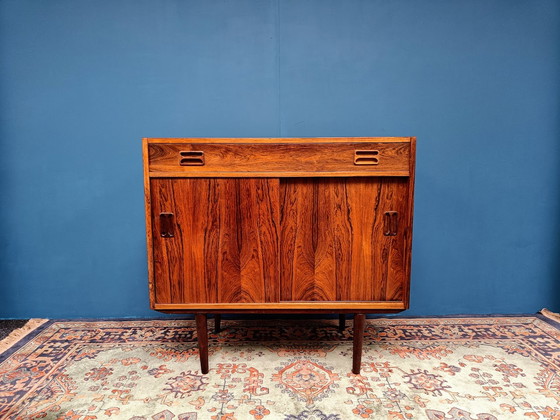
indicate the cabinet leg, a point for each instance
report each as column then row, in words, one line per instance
column 202, row 333
column 217, row 320
column 341, row 322
column 359, row 322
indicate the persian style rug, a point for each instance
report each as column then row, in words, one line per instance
column 431, row 368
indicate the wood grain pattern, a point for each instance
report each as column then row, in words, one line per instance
column 302, row 307
column 332, row 246
column 283, row 174
column 285, row 140
column 388, row 269
column 225, row 243
column 309, row 257
column 280, row 158
column 284, row 310
column 248, row 240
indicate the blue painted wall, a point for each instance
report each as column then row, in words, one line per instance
column 82, row 81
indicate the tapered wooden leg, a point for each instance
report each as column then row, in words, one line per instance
column 217, row 320
column 359, row 322
column 341, row 322
column 202, row 333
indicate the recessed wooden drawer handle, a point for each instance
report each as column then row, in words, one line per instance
column 192, row 158
column 166, row 225
column 391, row 223
column 366, row 157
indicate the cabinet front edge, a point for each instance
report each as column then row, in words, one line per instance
column 356, row 306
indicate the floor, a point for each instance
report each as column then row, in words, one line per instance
column 8, row 325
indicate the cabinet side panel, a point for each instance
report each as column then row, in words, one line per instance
column 409, row 224
column 148, row 216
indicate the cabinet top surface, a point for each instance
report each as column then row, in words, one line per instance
column 282, row 140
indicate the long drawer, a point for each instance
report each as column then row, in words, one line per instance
column 279, row 159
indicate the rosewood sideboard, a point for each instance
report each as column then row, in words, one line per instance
column 279, row 225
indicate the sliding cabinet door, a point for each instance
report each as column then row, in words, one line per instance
column 343, row 239
column 215, row 240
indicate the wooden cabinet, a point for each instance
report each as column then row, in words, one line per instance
column 279, row 225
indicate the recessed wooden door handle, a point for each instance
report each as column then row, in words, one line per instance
column 366, row 157
column 166, row 225
column 391, row 223
column 192, row 158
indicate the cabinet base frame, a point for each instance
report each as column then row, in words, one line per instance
column 284, row 307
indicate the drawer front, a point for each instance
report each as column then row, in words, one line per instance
column 279, row 159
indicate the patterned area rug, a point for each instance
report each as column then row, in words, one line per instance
column 441, row 368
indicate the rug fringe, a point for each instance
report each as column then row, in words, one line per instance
column 549, row 314
column 20, row 333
